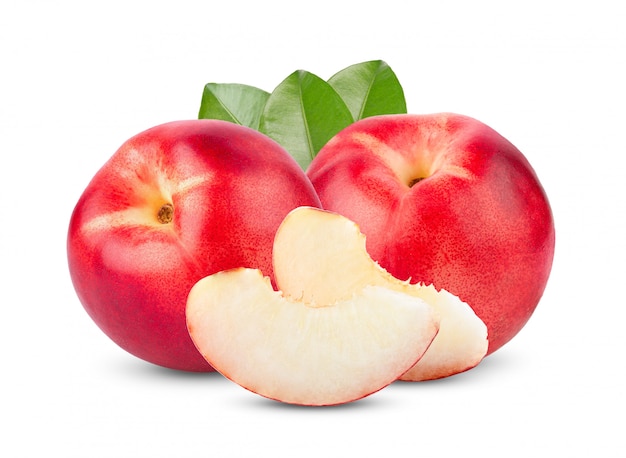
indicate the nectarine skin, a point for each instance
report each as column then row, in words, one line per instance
column 445, row 199
column 174, row 204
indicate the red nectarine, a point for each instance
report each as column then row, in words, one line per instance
column 175, row 203
column 445, row 199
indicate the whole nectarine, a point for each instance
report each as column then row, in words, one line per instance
column 445, row 199
column 174, row 204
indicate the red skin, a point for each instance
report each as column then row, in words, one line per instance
column 478, row 225
column 230, row 188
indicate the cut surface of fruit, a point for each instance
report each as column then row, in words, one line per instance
column 462, row 340
column 308, row 352
column 319, row 255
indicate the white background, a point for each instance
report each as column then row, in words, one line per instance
column 79, row 78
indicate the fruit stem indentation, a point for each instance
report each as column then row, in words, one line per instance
column 166, row 213
column 414, row 181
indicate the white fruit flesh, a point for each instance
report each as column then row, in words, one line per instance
column 462, row 340
column 294, row 351
column 319, row 255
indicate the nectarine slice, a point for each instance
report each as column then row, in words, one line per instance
column 303, row 350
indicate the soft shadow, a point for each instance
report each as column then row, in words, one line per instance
column 137, row 368
column 503, row 360
column 141, row 370
column 368, row 403
column 498, row 362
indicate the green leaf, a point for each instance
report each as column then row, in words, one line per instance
column 302, row 114
column 369, row 89
column 237, row 103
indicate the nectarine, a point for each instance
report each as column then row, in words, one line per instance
column 174, row 204
column 445, row 199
